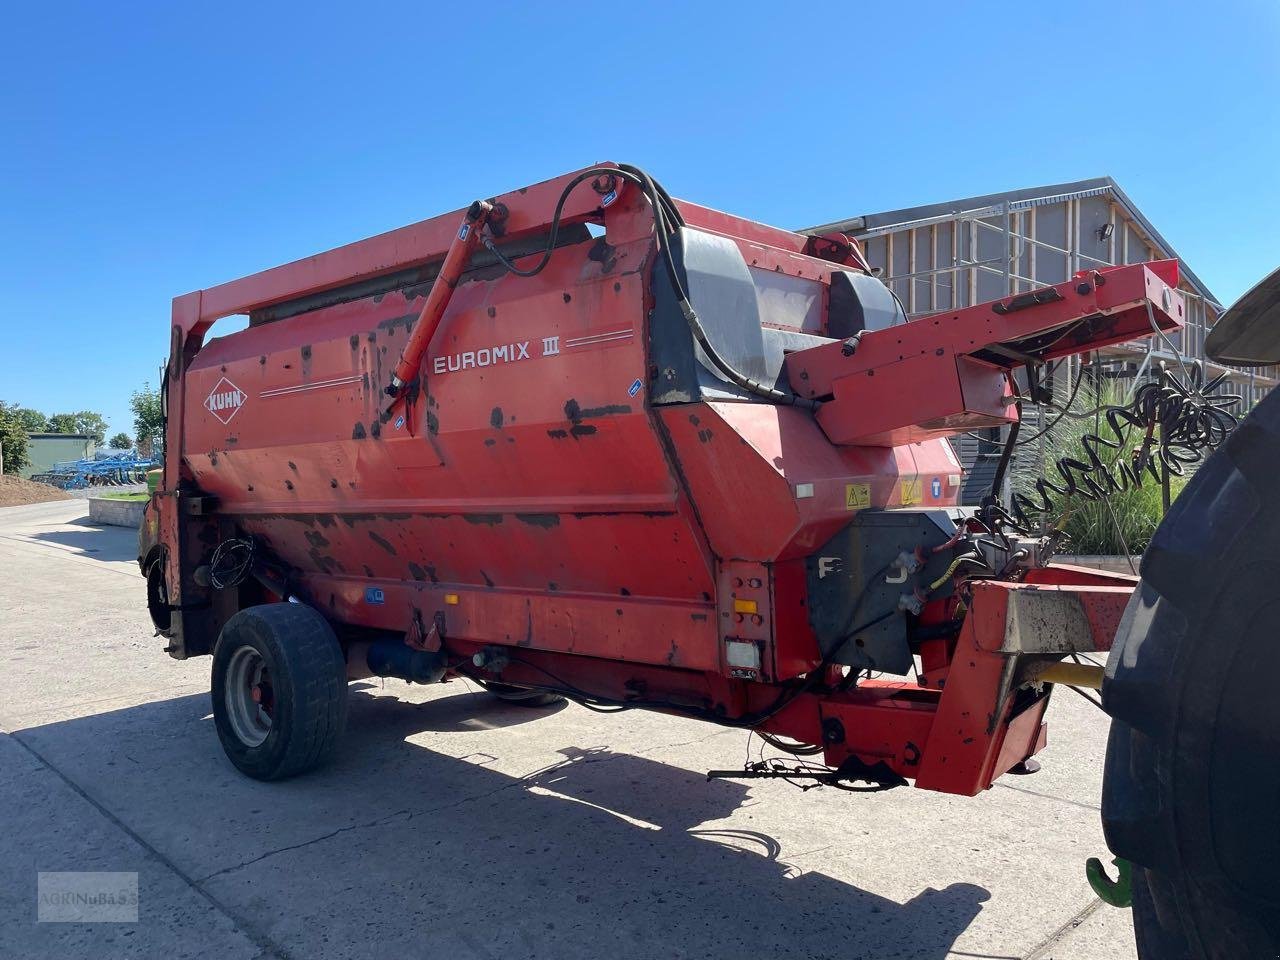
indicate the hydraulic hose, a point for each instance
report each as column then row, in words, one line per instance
column 667, row 221
column 1180, row 422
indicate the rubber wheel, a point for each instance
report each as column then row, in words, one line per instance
column 523, row 696
column 279, row 690
column 1191, row 790
column 158, row 598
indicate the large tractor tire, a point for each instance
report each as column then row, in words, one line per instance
column 279, row 690
column 1192, row 790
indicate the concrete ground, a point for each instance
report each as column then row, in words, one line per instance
column 454, row 826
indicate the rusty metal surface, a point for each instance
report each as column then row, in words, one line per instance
column 941, row 374
column 596, row 806
column 1064, row 618
column 524, row 494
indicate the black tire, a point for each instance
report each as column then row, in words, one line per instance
column 1192, row 778
column 1155, row 937
column 523, row 696
column 302, row 690
column 158, row 597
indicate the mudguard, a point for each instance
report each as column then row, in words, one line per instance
column 1248, row 335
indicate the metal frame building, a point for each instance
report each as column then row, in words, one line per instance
column 954, row 254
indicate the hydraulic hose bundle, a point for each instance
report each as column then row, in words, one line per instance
column 1180, row 423
column 667, row 222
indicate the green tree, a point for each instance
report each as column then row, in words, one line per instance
column 33, row 420
column 13, row 439
column 86, row 421
column 148, row 418
column 63, row 423
column 121, row 441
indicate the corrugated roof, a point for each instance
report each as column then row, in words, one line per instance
column 1030, row 196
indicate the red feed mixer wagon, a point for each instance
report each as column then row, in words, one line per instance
column 585, row 440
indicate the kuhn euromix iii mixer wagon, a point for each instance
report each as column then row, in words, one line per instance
column 585, row 440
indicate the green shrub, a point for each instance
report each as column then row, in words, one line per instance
column 1127, row 519
column 1123, row 522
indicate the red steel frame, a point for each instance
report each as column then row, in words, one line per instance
column 541, row 505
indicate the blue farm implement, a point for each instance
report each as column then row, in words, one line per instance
column 111, row 471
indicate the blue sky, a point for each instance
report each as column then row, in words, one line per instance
column 151, row 149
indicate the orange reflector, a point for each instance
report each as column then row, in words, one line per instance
column 451, row 599
column 744, row 606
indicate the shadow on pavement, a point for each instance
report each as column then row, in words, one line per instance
column 396, row 849
column 474, row 710
column 94, row 541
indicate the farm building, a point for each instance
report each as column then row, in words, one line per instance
column 46, row 449
column 953, row 254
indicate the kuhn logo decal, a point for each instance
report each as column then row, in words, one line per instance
column 225, row 401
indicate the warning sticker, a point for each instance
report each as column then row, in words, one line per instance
column 911, row 492
column 857, row 496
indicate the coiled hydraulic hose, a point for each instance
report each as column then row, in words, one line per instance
column 1181, row 423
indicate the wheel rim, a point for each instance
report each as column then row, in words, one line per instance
column 249, row 696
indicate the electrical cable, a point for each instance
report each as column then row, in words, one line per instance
column 1092, row 699
column 796, row 749
column 231, row 562
column 606, row 704
column 1002, row 466
column 1071, row 398
column 791, row 771
column 906, row 317
column 1041, row 343
column 955, row 564
column 748, row 721
column 667, row 221
column 1180, row 421
column 1169, row 344
column 771, row 394
column 1062, row 412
